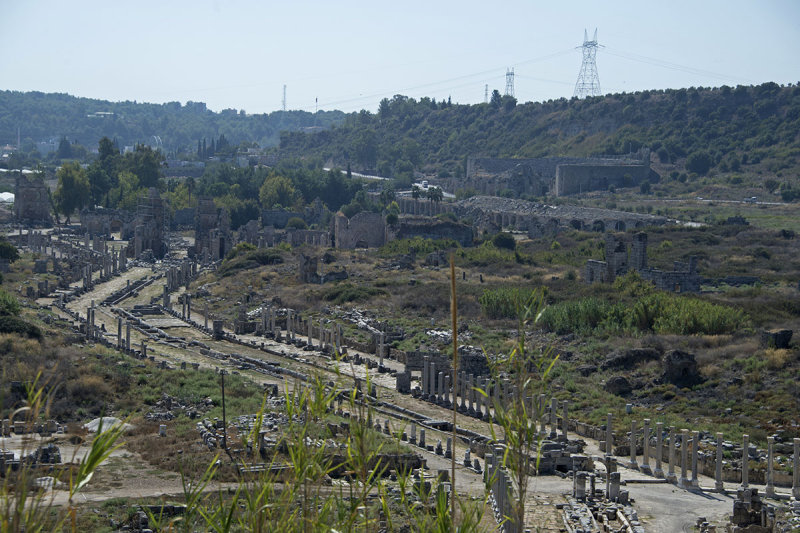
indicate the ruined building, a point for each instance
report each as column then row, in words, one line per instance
column 149, row 230
column 364, row 230
column 212, row 230
column 558, row 176
column 683, row 277
column 31, row 201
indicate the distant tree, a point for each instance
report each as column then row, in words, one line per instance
column 644, row 187
column 8, row 251
column 384, row 109
column 99, row 182
column 496, row 100
column 504, row 240
column 509, row 102
column 190, row 185
column 106, row 149
column 64, row 149
column 416, row 192
column 435, row 194
column 387, row 194
column 296, row 223
column 277, row 190
column 146, row 164
column 699, row 162
column 73, row 190
column 771, row 185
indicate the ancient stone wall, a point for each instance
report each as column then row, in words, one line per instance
column 428, row 228
column 364, row 230
column 582, row 177
column 31, row 201
column 683, row 277
column 560, row 175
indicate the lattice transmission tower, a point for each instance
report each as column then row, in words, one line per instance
column 510, row 82
column 588, row 83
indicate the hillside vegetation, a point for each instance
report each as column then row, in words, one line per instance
column 41, row 116
column 726, row 130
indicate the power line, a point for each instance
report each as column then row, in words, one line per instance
column 674, row 66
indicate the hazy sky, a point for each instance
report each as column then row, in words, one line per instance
column 349, row 54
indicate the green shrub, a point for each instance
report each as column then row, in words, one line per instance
column 417, row 244
column 505, row 302
column 9, row 306
column 504, row 240
column 13, row 324
column 659, row 312
column 296, row 223
column 347, row 292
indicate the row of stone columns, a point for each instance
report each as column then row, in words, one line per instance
column 686, row 443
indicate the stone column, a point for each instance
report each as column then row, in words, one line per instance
column 609, row 435
column 745, row 461
column 165, row 302
column 796, row 470
column 553, row 418
column 413, row 438
column 446, row 399
column 633, row 464
column 425, row 376
column 684, row 483
column 564, row 420
column 310, row 337
column 718, row 483
column 128, row 336
column 144, row 349
column 463, row 403
column 205, row 316
column 671, row 455
column 769, row 491
column 422, row 438
column 119, row 333
column 470, row 394
column 540, row 408
column 188, row 307
column 432, row 386
column 440, row 387
column 695, row 451
column 646, row 447
column 658, row 472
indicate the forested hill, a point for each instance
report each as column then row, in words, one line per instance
column 725, row 128
column 41, row 116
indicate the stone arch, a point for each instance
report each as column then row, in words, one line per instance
column 619, row 225
column 599, row 226
column 576, row 224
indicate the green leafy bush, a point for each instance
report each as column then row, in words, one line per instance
column 347, row 292
column 9, row 306
column 658, row 312
column 505, row 302
column 13, row 324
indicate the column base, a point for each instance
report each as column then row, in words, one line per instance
column 633, row 465
column 658, row 472
column 769, row 491
column 684, row 483
column 719, row 487
column 645, row 469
